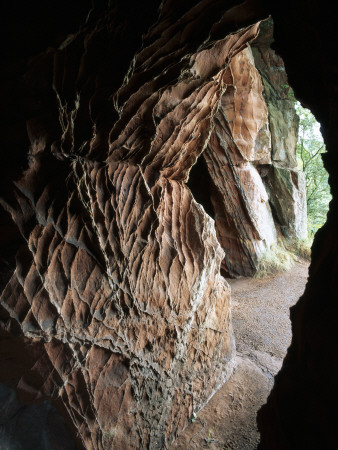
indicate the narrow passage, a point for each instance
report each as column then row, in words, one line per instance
column 260, row 316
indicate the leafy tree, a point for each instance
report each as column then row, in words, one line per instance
column 310, row 147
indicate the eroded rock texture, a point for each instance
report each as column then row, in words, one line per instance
column 285, row 184
column 238, row 144
column 254, row 188
column 112, row 301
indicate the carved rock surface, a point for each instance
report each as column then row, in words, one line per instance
column 112, row 305
column 248, row 169
column 111, row 290
column 238, row 144
column 119, row 299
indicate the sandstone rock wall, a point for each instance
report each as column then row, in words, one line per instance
column 239, row 143
column 121, row 306
column 284, row 182
column 112, row 302
column 236, row 198
column 254, row 186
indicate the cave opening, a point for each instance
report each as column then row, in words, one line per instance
column 112, row 304
column 249, row 178
column 310, row 151
column 294, row 184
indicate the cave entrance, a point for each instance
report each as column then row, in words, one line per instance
column 268, row 196
column 254, row 186
column 310, row 149
column 260, row 305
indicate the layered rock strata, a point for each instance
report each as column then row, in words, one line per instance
column 285, row 184
column 239, row 143
column 113, row 306
column 254, row 188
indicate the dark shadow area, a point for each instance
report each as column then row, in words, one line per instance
column 31, row 427
column 200, row 185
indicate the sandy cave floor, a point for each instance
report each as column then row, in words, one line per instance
column 260, row 313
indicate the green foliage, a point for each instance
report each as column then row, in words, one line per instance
column 288, row 91
column 310, row 147
column 209, row 439
column 281, row 256
column 275, row 259
column 299, row 247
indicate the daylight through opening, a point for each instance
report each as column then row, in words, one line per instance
column 265, row 186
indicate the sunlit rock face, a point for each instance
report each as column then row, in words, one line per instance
column 254, row 187
column 285, row 184
column 239, row 143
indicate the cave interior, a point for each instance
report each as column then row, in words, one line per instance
column 148, row 151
